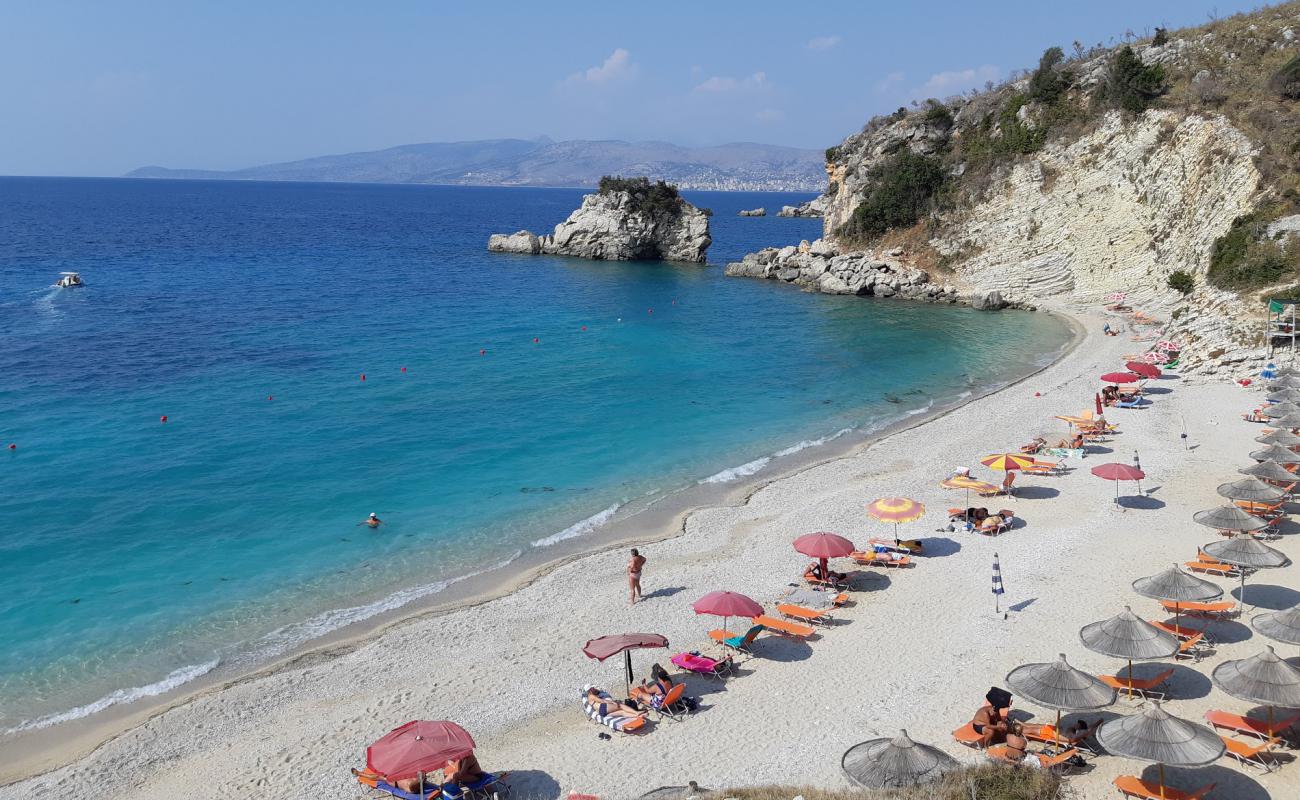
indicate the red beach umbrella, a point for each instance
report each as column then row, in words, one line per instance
column 1121, row 377
column 1118, row 472
column 606, row 646
column 1143, row 369
column 727, row 604
column 823, row 546
column 416, row 748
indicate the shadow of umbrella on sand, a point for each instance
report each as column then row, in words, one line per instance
column 895, row 762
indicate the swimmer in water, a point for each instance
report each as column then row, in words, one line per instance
column 373, row 520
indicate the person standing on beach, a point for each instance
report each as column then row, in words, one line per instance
column 634, row 568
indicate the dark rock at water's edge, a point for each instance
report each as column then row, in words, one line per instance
column 620, row 225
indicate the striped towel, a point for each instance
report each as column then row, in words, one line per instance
column 617, row 723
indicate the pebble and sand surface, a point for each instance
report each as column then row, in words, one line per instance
column 917, row 649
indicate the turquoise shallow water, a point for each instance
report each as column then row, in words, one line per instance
column 138, row 554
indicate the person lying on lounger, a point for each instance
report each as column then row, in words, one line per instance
column 815, row 571
column 1017, row 752
column 1033, row 447
column 660, row 684
column 1079, row 730
column 610, row 707
column 461, row 771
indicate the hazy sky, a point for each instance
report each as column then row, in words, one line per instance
column 99, row 88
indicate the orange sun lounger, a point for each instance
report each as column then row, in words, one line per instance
column 966, row 735
column 1048, row 734
column 1224, row 608
column 785, row 626
column 1213, row 568
column 874, row 559
column 1133, row 786
column 1249, row 726
column 1142, row 687
column 998, row 752
column 1252, row 755
column 805, row 614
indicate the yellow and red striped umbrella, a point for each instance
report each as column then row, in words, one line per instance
column 1005, row 462
column 896, row 509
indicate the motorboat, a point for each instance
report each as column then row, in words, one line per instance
column 69, row 280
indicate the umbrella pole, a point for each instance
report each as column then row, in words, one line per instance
column 627, row 670
column 1128, row 679
column 1241, row 597
column 1162, row 779
column 1056, row 732
column 420, row 777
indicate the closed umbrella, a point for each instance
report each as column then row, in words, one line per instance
column 1280, row 437
column 1264, row 678
column 606, row 646
column 1178, row 587
column 895, row 763
column 1229, row 518
column 1273, row 452
column 1245, row 551
column 727, row 605
column 998, row 589
column 1118, row 472
column 1155, row 735
column 417, row 748
column 895, row 510
column 1279, row 410
column 1128, row 636
column 1269, row 471
column 1251, row 489
column 823, row 546
column 1059, row 686
column 1282, row 626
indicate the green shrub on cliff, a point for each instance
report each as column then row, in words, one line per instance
column 1242, row 259
column 1049, row 81
column 938, row 114
column 647, row 198
column 1181, row 281
column 832, row 153
column 1130, row 84
column 902, row 191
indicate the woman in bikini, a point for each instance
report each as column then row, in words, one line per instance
column 609, row 707
column 634, row 568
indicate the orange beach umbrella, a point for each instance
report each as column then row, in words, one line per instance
column 896, row 510
column 1006, row 462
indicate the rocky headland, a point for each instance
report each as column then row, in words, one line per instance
column 628, row 219
column 1164, row 168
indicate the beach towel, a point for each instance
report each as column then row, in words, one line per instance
column 617, row 723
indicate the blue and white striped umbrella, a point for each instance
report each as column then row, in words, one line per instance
column 997, row 582
column 1269, row 372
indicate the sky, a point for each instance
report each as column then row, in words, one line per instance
column 96, row 88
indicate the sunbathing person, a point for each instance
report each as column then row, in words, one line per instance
column 1079, row 730
column 608, row 707
column 412, row 786
column 991, row 722
column 461, row 771
column 1033, row 447
column 814, row 571
column 1017, row 752
column 657, row 687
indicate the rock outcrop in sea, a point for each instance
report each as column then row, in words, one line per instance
column 640, row 222
column 753, row 212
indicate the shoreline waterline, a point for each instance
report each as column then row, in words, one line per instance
column 33, row 752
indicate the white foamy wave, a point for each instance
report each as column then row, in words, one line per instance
column 805, row 444
column 738, row 472
column 179, row 677
column 283, row 639
column 580, row 528
column 929, row 405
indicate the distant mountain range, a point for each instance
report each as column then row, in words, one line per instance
column 742, row 166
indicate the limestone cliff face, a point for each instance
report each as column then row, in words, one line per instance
column 612, row 226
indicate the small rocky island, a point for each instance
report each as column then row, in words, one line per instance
column 628, row 219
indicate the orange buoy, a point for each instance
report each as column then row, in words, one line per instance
column 163, row 418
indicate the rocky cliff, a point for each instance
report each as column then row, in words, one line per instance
column 1048, row 198
column 621, row 225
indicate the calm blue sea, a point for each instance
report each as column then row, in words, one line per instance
column 508, row 403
